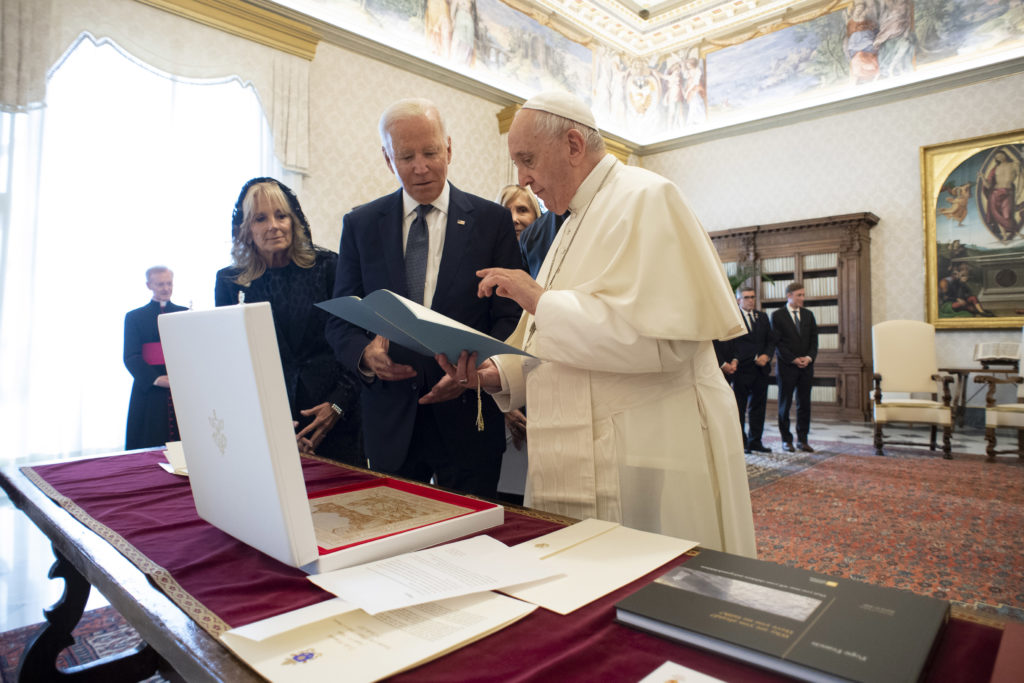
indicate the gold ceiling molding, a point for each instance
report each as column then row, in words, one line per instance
column 248, row 21
column 552, row 20
column 619, row 150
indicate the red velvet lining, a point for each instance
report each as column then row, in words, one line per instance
column 154, row 512
column 435, row 494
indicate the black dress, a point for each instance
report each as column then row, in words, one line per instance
column 312, row 375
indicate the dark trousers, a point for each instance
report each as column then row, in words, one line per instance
column 750, row 386
column 473, row 473
column 799, row 380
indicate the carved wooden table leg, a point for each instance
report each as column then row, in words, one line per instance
column 39, row 662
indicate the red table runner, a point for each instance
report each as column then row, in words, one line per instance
column 149, row 515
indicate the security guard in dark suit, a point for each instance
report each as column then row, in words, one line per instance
column 746, row 362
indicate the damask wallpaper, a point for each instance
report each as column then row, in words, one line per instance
column 348, row 93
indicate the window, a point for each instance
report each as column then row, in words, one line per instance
column 125, row 168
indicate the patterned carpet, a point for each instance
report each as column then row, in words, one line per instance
column 101, row 632
column 946, row 528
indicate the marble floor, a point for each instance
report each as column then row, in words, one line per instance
column 25, row 555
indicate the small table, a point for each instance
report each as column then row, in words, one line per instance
column 960, row 390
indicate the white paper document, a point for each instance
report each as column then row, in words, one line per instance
column 595, row 558
column 175, row 459
column 356, row 647
column 670, row 672
column 472, row 566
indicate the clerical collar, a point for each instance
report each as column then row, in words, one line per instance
column 441, row 203
column 590, row 185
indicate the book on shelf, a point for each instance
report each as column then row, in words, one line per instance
column 810, row 626
column 778, row 264
column 825, row 315
column 820, row 286
column 821, row 261
column 823, row 394
column 828, row 340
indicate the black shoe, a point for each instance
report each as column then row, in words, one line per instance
column 758, row 448
column 803, row 446
column 788, row 447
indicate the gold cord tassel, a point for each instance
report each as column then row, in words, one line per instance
column 479, row 407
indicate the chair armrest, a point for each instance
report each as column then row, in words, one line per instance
column 946, row 380
column 878, row 387
column 992, row 381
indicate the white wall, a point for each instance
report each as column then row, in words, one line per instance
column 865, row 160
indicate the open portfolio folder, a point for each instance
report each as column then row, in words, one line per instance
column 415, row 327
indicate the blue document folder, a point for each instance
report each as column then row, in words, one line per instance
column 415, row 327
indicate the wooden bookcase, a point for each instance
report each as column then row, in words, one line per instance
column 832, row 257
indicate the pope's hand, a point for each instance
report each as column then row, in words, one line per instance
column 511, row 284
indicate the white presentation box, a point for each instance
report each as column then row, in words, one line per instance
column 244, row 465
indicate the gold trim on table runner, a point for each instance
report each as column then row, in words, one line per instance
column 199, row 612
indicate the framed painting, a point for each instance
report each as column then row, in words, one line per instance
column 973, row 205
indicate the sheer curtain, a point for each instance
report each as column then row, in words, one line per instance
column 125, row 168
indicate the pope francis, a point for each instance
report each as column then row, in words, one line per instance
column 630, row 419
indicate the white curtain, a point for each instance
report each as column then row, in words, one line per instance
column 125, row 168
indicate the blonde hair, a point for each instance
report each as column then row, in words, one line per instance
column 510, row 192
column 243, row 249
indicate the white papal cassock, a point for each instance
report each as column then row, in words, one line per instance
column 629, row 417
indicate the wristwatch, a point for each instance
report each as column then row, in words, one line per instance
column 337, row 409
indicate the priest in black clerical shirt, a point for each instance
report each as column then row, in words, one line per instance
column 150, row 412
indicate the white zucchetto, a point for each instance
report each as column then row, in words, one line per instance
column 563, row 104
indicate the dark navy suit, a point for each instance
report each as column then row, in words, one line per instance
column 536, row 239
column 793, row 343
column 750, row 381
column 479, row 234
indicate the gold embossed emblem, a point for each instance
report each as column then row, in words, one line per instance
column 220, row 440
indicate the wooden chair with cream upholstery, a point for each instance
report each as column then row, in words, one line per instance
column 903, row 352
column 1003, row 415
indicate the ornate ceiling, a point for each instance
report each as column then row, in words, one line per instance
column 647, row 27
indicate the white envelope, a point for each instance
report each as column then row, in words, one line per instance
column 596, row 558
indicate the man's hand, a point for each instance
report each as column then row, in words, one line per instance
column 762, row 360
column 445, row 390
column 467, row 374
column 730, row 367
column 376, row 360
column 516, row 423
column 162, row 381
column 802, row 361
column 324, row 419
column 511, row 284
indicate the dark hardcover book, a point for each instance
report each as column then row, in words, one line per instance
column 806, row 625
